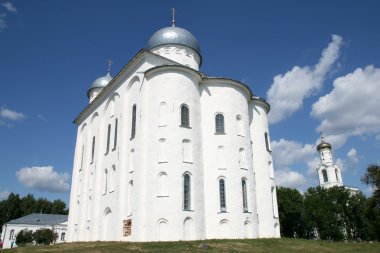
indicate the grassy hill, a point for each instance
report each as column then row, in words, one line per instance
column 259, row 245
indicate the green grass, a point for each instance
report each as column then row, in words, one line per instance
column 257, row 245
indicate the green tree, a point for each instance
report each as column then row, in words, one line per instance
column 291, row 212
column 43, row 206
column 372, row 178
column 59, row 207
column 336, row 214
column 44, row 236
column 10, row 209
column 27, row 205
column 23, row 237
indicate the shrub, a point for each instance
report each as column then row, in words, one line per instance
column 44, row 236
column 23, row 237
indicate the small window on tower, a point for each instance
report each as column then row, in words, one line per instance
column 185, row 116
column 325, row 178
column 219, row 123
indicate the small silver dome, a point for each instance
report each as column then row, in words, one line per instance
column 174, row 35
column 101, row 82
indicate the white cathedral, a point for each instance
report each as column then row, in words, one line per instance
column 167, row 153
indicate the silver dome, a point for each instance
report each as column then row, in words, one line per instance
column 174, row 35
column 101, row 82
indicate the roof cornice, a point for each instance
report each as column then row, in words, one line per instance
column 173, row 67
column 261, row 101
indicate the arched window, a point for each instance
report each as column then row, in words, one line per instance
column 221, row 158
column 162, row 189
column 93, row 149
column 133, row 128
column 162, row 112
column 242, row 158
column 112, row 178
column 222, row 195
column 272, row 201
column 240, row 125
column 162, row 230
column 162, row 151
column 244, row 192
column 108, row 138
column 131, row 160
column 12, row 235
column 336, row 174
column 82, row 157
column 185, row 116
column 105, row 181
column 188, row 229
column 271, row 169
column 63, row 237
column 91, row 184
column 115, row 136
column 186, row 192
column 219, row 123
column 325, row 178
column 129, row 197
column 267, row 142
column 186, row 151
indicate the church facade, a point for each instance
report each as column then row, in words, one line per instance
column 167, row 153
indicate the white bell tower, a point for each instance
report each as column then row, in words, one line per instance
column 329, row 173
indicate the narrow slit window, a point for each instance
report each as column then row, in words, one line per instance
column 108, row 138
column 325, row 178
column 242, row 158
column 93, row 149
column 115, row 136
column 240, row 125
column 133, row 129
column 267, row 142
column 186, row 151
column 219, row 123
column 163, row 112
column 185, row 116
column 82, row 158
column 186, row 192
column 162, row 151
column 244, row 191
column 222, row 195
column 105, row 186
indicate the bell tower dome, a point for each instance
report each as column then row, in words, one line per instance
column 329, row 173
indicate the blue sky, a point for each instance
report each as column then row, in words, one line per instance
column 317, row 62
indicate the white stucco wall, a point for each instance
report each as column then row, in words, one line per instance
column 96, row 214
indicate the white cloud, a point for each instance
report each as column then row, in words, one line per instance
column 312, row 165
column 43, row 179
column 290, row 178
column 352, row 107
column 353, row 156
column 4, row 195
column 288, row 91
column 287, row 152
column 11, row 115
column 9, row 7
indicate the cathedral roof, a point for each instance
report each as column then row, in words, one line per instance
column 40, row 219
column 100, row 82
column 174, row 35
